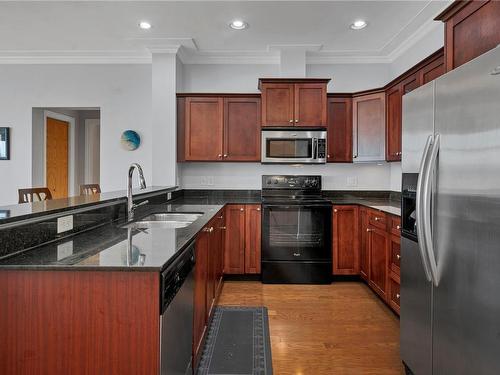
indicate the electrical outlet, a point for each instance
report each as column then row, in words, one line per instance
column 352, row 181
column 169, row 196
column 64, row 223
column 64, row 250
column 203, row 180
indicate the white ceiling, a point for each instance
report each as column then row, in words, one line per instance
column 102, row 31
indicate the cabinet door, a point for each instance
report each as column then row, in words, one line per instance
column 432, row 70
column 220, row 234
column 203, row 130
column 364, row 256
column 212, row 266
column 410, row 83
column 252, row 238
column 345, row 240
column 200, row 290
column 394, row 115
column 234, row 254
column 395, row 254
column 310, row 104
column 369, row 127
column 339, row 148
column 378, row 260
column 277, row 104
column 242, row 129
column 394, row 292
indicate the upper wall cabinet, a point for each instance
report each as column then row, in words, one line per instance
column 471, row 29
column 368, row 117
column 339, row 132
column 294, row 102
column 215, row 128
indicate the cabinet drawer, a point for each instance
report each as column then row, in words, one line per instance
column 377, row 219
column 395, row 254
column 394, row 293
column 396, row 225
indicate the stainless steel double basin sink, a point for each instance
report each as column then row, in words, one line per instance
column 165, row 220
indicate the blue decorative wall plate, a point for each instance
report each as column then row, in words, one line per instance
column 130, row 140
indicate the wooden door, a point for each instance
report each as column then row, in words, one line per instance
column 364, row 255
column 277, row 104
column 432, row 70
column 377, row 239
column 310, row 105
column 394, row 116
column 212, row 266
column 200, row 291
column 242, row 129
column 234, row 253
column 368, row 118
column 203, row 128
column 56, row 157
column 345, row 240
column 339, row 148
column 252, row 238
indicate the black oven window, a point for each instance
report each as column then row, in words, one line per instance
column 289, row 148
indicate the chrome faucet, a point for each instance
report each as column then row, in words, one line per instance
column 130, row 203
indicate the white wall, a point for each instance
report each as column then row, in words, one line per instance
column 123, row 92
column 396, row 176
column 248, row 175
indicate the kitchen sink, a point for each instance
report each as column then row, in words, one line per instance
column 166, row 220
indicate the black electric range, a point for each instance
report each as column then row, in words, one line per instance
column 296, row 231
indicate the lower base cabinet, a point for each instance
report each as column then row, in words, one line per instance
column 242, row 239
column 366, row 242
column 207, row 279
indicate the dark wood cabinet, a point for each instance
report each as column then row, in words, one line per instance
column 277, row 104
column 234, row 252
column 218, row 128
column 394, row 296
column 252, row 238
column 393, row 126
column 364, row 251
column 394, row 253
column 377, row 239
column 242, row 239
column 339, row 148
column 293, row 102
column 242, row 129
column 368, row 118
column 203, row 129
column 471, row 29
column 310, row 104
column 434, row 69
column 345, row 240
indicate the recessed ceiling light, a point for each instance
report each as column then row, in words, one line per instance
column 144, row 25
column 358, row 25
column 238, row 25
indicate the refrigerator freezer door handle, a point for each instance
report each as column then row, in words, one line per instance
column 426, row 210
column 419, row 210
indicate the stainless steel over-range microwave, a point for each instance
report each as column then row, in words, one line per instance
column 293, row 146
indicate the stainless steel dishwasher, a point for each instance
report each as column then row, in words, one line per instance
column 176, row 320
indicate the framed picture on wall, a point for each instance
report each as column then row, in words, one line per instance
column 4, row 143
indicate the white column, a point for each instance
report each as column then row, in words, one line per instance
column 164, row 128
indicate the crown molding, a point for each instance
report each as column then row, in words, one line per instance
column 189, row 53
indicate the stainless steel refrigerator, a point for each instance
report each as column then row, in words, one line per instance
column 450, row 249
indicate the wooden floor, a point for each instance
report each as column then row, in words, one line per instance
column 336, row 329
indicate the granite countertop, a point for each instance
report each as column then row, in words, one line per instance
column 31, row 210
column 113, row 247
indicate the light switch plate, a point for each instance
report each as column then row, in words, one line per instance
column 64, row 223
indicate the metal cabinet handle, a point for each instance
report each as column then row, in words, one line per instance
column 296, row 120
column 418, row 208
column 377, row 219
column 223, row 228
column 426, row 209
column 206, row 229
column 369, row 230
column 258, row 208
column 398, row 256
column 290, row 121
column 398, row 227
column 335, row 210
column 242, row 209
column 398, row 295
column 328, row 155
column 219, row 156
column 225, row 155
column 211, row 229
